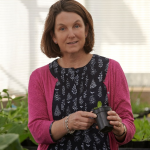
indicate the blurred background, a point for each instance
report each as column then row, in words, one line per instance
column 122, row 32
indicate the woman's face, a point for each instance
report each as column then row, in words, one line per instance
column 69, row 32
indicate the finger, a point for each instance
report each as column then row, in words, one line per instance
column 82, row 126
column 97, row 127
column 87, row 120
column 114, row 118
column 88, row 114
column 116, row 123
column 112, row 113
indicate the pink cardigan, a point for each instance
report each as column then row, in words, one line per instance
column 41, row 90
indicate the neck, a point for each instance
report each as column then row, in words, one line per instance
column 74, row 60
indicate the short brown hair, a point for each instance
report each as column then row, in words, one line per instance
column 48, row 47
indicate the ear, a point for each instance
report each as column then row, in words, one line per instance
column 53, row 37
column 86, row 29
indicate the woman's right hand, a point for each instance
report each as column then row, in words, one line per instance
column 81, row 120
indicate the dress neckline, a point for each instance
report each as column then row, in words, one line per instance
column 56, row 61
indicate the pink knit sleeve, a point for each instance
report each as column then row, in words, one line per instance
column 119, row 98
column 39, row 121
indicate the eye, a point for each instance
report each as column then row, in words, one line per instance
column 62, row 28
column 77, row 26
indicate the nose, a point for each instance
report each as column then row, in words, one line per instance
column 71, row 33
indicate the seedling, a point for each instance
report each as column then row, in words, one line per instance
column 99, row 104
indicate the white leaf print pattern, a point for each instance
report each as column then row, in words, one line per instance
column 57, row 96
column 94, row 146
column 74, row 89
column 86, row 80
column 55, row 70
column 93, row 84
column 93, row 71
column 106, row 67
column 69, row 146
column 76, row 148
column 77, row 138
column 97, row 140
column 104, row 147
column 76, row 79
column 57, row 111
column 71, row 72
column 92, row 99
column 106, row 100
column 74, row 107
column 82, row 146
column 100, row 77
column 69, row 97
column 85, row 94
column 81, row 87
column 55, row 64
column 63, row 90
column 93, row 62
column 100, row 91
column 87, row 139
column 58, row 83
column 81, row 100
column 67, row 84
column 63, row 105
column 100, row 63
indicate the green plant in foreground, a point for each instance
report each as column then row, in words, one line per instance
column 9, row 142
column 15, row 120
column 99, row 104
column 142, row 130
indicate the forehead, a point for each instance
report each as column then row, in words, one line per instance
column 67, row 17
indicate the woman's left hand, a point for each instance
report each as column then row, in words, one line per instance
column 116, row 121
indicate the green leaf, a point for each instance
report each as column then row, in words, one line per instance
column 99, row 104
column 139, row 136
column 23, row 136
column 2, row 121
column 95, row 107
column 135, row 115
column 142, row 130
column 17, row 128
column 5, row 128
column 5, row 90
column 9, row 142
column 18, row 98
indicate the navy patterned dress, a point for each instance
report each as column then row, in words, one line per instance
column 80, row 89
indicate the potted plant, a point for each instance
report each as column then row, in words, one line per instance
column 101, row 112
column 14, row 119
column 141, row 137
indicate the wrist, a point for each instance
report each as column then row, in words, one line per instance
column 66, row 121
column 124, row 132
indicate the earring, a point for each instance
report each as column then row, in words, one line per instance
column 85, row 35
column 55, row 42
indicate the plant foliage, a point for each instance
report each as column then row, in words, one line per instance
column 142, row 130
column 9, row 142
column 99, row 104
column 15, row 119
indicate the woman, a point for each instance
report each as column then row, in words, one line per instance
column 63, row 93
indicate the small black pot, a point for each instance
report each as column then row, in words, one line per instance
column 103, row 123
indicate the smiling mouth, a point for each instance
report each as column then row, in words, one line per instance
column 72, row 42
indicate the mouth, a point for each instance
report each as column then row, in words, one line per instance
column 74, row 42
